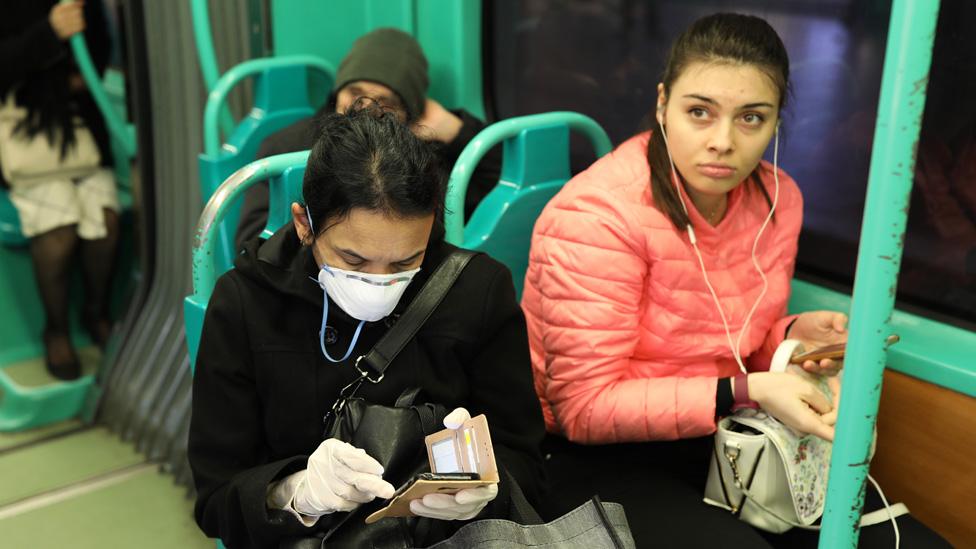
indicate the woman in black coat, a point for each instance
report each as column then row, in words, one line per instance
column 273, row 359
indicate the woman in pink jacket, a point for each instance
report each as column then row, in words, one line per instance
column 657, row 289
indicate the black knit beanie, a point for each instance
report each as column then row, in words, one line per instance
column 390, row 57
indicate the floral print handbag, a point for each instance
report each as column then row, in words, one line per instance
column 767, row 475
column 772, row 478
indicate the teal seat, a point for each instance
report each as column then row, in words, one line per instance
column 10, row 233
column 284, row 173
column 535, row 165
column 281, row 97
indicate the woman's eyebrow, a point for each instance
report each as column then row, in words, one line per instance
column 702, row 98
column 411, row 258
column 711, row 101
column 354, row 255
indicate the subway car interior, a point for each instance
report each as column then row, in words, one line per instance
column 879, row 134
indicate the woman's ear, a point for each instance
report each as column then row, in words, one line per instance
column 299, row 218
column 662, row 100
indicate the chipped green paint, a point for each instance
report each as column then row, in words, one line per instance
column 907, row 59
column 204, row 270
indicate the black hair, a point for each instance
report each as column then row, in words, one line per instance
column 718, row 38
column 366, row 158
column 45, row 91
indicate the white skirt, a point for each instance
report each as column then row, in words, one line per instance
column 44, row 206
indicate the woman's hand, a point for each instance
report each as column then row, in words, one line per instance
column 818, row 329
column 339, row 477
column 795, row 401
column 463, row 505
column 67, row 19
column 830, row 418
column 437, row 123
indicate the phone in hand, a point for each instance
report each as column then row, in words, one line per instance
column 435, row 476
column 835, row 352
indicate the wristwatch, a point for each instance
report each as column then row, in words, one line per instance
column 740, row 393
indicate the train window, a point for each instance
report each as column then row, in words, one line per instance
column 604, row 59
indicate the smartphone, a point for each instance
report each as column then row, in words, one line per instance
column 435, row 476
column 835, row 352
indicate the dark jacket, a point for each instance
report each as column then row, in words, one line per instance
column 301, row 136
column 37, row 64
column 262, row 386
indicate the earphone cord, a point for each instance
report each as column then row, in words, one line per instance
column 755, row 262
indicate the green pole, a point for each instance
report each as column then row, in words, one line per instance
column 208, row 56
column 124, row 133
column 906, row 70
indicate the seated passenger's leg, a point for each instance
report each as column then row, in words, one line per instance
column 99, row 231
column 51, row 254
column 98, row 262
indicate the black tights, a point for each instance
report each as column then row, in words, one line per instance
column 52, row 254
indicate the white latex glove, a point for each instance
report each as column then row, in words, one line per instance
column 339, row 477
column 464, row 505
column 456, row 418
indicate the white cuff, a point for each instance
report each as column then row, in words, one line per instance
column 281, row 495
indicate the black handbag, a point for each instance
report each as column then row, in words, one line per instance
column 393, row 435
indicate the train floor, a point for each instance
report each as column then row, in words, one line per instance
column 80, row 486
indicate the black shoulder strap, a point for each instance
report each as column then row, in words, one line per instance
column 430, row 296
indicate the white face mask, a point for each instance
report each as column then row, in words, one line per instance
column 364, row 296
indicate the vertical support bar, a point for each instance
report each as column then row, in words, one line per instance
column 125, row 134
column 208, row 57
column 908, row 56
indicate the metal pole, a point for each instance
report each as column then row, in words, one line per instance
column 906, row 70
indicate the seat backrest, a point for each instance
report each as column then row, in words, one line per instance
column 280, row 99
column 282, row 172
column 535, row 165
column 284, row 190
column 10, row 234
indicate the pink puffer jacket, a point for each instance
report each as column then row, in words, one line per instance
column 626, row 341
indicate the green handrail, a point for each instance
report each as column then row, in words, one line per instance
column 204, row 271
column 457, row 185
column 208, row 56
column 223, row 86
column 124, row 133
column 908, row 56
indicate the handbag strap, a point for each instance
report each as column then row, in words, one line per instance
column 867, row 519
column 378, row 359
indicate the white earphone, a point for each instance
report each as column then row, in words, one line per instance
column 694, row 241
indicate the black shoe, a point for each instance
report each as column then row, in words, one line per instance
column 67, row 368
